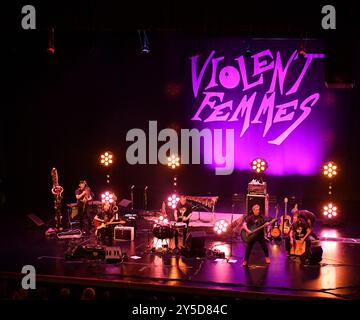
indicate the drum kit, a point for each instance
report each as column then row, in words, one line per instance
column 164, row 230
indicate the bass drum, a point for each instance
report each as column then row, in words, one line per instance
column 162, row 232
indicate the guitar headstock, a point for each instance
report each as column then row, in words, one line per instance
column 286, row 200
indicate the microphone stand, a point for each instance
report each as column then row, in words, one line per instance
column 145, row 198
column 132, row 197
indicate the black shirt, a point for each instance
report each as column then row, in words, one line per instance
column 254, row 222
column 79, row 191
column 299, row 228
column 183, row 210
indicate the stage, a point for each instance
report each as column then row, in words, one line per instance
column 169, row 276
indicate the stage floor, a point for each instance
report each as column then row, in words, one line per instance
column 336, row 277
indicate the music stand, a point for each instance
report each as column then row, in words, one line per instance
column 124, row 203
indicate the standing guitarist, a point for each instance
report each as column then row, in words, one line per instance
column 83, row 195
column 253, row 221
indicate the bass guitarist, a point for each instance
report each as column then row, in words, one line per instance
column 253, row 221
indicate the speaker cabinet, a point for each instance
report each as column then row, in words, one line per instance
column 195, row 244
column 261, row 200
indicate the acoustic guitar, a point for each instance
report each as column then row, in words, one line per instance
column 285, row 220
column 275, row 230
column 246, row 237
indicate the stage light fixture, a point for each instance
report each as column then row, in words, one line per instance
column 144, row 42
column 220, row 227
column 259, row 165
column 107, row 158
column 330, row 170
column 108, row 197
column 330, row 211
column 173, row 200
column 173, row 162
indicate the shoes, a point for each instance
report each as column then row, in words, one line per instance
column 267, row 260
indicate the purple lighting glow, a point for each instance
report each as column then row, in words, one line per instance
column 272, row 100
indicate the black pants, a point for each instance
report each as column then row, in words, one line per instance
column 184, row 234
column 258, row 238
column 105, row 236
column 84, row 218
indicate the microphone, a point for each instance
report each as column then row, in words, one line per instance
column 146, row 188
column 132, row 187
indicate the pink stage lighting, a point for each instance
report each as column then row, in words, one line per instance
column 330, row 211
column 220, row 227
column 108, row 197
column 106, row 159
column 173, row 200
column 259, row 165
column 330, row 170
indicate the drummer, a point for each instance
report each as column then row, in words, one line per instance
column 182, row 213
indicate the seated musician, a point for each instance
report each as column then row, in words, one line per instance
column 103, row 231
column 252, row 221
column 299, row 231
column 309, row 217
column 182, row 213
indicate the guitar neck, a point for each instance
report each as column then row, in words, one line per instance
column 262, row 226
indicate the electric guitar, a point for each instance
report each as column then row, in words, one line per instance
column 246, row 237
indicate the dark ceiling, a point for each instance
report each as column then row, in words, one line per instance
column 293, row 18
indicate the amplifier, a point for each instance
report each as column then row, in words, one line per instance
column 88, row 252
column 261, row 200
column 255, row 187
column 124, row 233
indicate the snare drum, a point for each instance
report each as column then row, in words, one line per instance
column 162, row 232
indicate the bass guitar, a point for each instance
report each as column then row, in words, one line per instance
column 246, row 237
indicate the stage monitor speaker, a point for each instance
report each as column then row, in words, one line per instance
column 195, row 244
column 312, row 256
column 88, row 252
column 261, row 200
column 35, row 219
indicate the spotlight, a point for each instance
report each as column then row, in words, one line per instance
column 220, row 226
column 259, row 165
column 330, row 170
column 173, row 200
column 173, row 162
column 106, row 159
column 301, row 53
column 108, row 197
column 144, row 42
column 51, row 41
column 330, row 211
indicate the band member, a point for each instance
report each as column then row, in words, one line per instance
column 300, row 230
column 309, row 217
column 182, row 213
column 83, row 195
column 252, row 221
column 103, row 231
